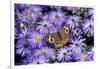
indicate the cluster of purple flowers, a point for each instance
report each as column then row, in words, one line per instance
column 34, row 22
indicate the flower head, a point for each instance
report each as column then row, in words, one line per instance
column 85, row 55
column 77, row 43
column 76, row 32
column 36, row 39
column 44, row 51
column 46, row 27
column 38, row 60
column 57, row 17
column 23, row 34
column 91, row 11
column 88, row 56
column 22, row 17
column 23, row 47
column 88, row 27
column 73, row 21
column 64, row 54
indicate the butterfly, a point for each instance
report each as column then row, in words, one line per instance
column 59, row 38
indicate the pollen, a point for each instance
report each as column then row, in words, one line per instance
column 46, row 16
column 37, row 37
column 83, row 56
column 43, row 51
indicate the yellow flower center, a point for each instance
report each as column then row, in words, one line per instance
column 43, row 51
column 37, row 37
column 83, row 56
column 65, row 13
column 46, row 16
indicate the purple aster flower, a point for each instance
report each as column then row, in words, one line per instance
column 45, row 52
column 23, row 17
column 77, row 43
column 35, row 11
column 64, row 54
column 90, row 11
column 88, row 27
column 77, row 32
column 46, row 27
column 83, row 55
column 80, row 55
column 31, row 59
column 73, row 21
column 77, row 56
column 56, row 17
column 36, row 39
column 88, row 56
column 23, row 47
column 39, row 60
column 92, row 18
column 23, row 34
column 77, row 53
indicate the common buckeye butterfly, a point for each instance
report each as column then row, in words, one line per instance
column 59, row 38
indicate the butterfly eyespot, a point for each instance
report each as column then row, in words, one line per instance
column 51, row 40
column 66, row 29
